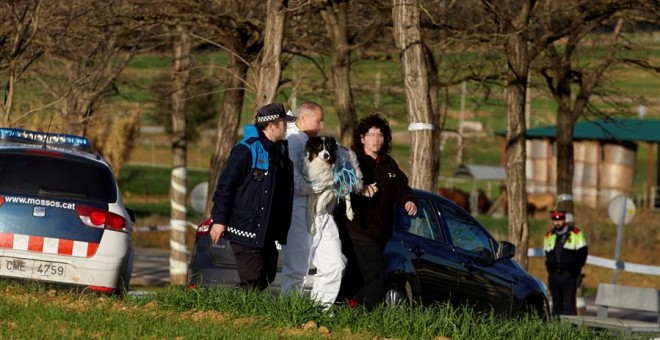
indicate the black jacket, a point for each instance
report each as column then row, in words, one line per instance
column 255, row 203
column 374, row 216
column 566, row 254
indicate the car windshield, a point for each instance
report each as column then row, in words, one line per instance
column 57, row 177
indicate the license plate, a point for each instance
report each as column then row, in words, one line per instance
column 34, row 269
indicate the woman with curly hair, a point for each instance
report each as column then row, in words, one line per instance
column 365, row 236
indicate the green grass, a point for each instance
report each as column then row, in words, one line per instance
column 33, row 311
column 145, row 180
column 499, row 227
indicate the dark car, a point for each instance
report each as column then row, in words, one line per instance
column 62, row 220
column 441, row 254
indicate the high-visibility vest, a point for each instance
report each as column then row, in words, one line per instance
column 575, row 240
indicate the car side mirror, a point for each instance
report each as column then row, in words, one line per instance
column 506, row 250
column 131, row 214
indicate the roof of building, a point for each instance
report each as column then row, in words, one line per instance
column 623, row 130
column 480, row 172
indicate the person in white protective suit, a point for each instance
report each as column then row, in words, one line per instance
column 324, row 237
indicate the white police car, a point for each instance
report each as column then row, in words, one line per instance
column 62, row 220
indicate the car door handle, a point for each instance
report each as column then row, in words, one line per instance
column 469, row 265
column 418, row 251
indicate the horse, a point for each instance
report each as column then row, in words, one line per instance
column 462, row 199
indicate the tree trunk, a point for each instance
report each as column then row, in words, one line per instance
column 408, row 39
column 516, row 153
column 9, row 92
column 22, row 23
column 434, row 95
column 335, row 17
column 228, row 121
column 181, row 75
column 270, row 70
column 565, row 162
column 570, row 108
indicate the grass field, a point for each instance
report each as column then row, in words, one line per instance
column 33, row 311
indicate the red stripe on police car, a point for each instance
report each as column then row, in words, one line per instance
column 48, row 245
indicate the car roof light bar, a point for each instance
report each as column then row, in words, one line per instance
column 60, row 140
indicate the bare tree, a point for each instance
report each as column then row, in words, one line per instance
column 408, row 38
column 514, row 18
column 347, row 26
column 524, row 31
column 434, row 97
column 181, row 77
column 99, row 42
column 20, row 23
column 335, row 16
column 573, row 78
column 270, row 69
column 236, row 30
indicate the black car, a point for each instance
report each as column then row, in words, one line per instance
column 441, row 254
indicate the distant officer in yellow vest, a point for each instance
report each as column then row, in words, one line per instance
column 565, row 254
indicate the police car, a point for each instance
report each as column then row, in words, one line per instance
column 62, row 220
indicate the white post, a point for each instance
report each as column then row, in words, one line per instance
column 619, row 237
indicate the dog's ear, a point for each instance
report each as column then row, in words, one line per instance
column 310, row 153
column 331, row 144
column 309, row 145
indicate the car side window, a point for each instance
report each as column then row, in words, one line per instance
column 424, row 224
column 466, row 233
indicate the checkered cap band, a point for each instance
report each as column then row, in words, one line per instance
column 269, row 118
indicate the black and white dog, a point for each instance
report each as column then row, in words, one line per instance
column 333, row 172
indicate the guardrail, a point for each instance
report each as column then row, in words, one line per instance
column 608, row 263
column 160, row 227
column 531, row 252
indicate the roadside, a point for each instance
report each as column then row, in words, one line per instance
column 151, row 269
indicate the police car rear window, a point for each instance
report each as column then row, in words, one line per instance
column 56, row 177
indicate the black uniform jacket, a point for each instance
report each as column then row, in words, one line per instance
column 254, row 204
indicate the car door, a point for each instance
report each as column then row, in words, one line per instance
column 482, row 282
column 431, row 256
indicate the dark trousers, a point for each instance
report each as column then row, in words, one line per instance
column 563, row 288
column 256, row 266
column 363, row 280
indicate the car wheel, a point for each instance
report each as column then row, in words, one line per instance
column 395, row 295
column 125, row 275
column 536, row 309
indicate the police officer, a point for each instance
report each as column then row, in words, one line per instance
column 565, row 254
column 253, row 201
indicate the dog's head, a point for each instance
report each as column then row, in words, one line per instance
column 321, row 147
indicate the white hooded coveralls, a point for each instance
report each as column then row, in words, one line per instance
column 322, row 248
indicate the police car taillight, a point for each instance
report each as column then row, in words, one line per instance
column 204, row 227
column 99, row 218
